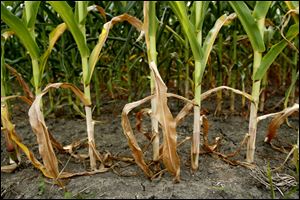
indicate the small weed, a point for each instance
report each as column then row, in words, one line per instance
column 42, row 186
column 68, row 195
column 289, row 194
column 269, row 174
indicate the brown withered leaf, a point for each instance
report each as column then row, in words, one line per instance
column 21, row 81
column 15, row 138
column 104, row 34
column 135, row 148
column 168, row 123
column 39, row 127
column 164, row 116
column 189, row 105
column 278, row 120
column 139, row 119
column 23, row 98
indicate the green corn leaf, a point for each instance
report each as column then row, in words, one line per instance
column 276, row 49
column 21, row 31
column 249, row 24
column 198, row 14
column 81, row 11
column 261, row 8
column 179, row 9
column 65, row 11
column 31, row 10
column 211, row 37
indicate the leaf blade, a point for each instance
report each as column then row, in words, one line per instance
column 249, row 24
column 275, row 50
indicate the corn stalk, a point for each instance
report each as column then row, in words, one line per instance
column 150, row 26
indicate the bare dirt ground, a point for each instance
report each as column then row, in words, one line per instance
column 214, row 179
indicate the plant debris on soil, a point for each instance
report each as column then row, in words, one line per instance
column 215, row 177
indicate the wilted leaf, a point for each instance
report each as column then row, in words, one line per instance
column 53, row 37
column 278, row 120
column 168, row 124
column 15, row 138
column 39, row 127
column 9, row 168
column 186, row 109
column 21, row 81
column 103, row 36
column 136, row 150
column 211, row 37
column 99, row 9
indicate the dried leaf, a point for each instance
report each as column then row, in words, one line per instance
column 39, row 127
column 23, row 98
column 103, row 36
column 15, row 138
column 164, row 116
column 53, row 37
column 186, row 109
column 21, row 81
column 7, row 34
column 9, row 168
column 278, row 120
column 139, row 119
column 136, row 150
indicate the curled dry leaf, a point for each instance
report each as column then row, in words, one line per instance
column 23, row 98
column 53, row 37
column 278, row 120
column 164, row 116
column 104, row 34
column 16, row 139
column 22, row 83
column 9, row 168
column 186, row 109
column 99, row 9
column 39, row 127
column 168, row 149
column 139, row 119
column 136, row 150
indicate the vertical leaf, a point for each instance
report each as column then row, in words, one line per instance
column 249, row 24
column 211, row 37
column 65, row 11
column 261, row 8
column 179, row 9
column 30, row 13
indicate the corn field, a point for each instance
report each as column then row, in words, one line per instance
column 153, row 94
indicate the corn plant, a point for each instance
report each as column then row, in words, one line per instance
column 76, row 25
column 193, row 31
column 25, row 31
column 254, row 27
